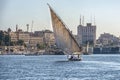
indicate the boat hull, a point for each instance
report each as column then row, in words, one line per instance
column 75, row 59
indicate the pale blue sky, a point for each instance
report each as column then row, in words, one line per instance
column 22, row 12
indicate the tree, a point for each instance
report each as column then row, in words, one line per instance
column 7, row 40
column 12, row 43
column 25, row 45
column 1, row 37
column 20, row 42
column 9, row 30
column 40, row 46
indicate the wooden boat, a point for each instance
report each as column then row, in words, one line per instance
column 64, row 38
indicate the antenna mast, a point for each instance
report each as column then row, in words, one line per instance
column 27, row 27
column 83, row 21
column 94, row 20
column 80, row 19
column 91, row 19
column 32, row 26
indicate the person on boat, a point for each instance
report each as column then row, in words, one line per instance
column 71, row 57
column 75, row 57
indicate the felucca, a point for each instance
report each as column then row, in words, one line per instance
column 64, row 38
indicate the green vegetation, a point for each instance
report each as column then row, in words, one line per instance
column 1, row 37
column 40, row 46
column 7, row 40
column 4, row 38
column 20, row 42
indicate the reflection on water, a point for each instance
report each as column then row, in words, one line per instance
column 54, row 67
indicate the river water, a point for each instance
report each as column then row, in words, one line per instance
column 56, row 67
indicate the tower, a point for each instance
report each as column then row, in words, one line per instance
column 32, row 25
column 16, row 27
column 94, row 20
column 27, row 27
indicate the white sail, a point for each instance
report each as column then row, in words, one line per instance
column 63, row 36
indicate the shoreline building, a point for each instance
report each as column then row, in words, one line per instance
column 86, row 34
column 48, row 37
column 107, row 39
column 13, row 36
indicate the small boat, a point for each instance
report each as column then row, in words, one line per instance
column 64, row 37
column 75, row 59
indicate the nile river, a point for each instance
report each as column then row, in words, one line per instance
column 56, row 67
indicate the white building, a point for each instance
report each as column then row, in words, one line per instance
column 13, row 36
column 36, row 40
column 24, row 36
column 108, row 39
column 49, row 38
column 86, row 34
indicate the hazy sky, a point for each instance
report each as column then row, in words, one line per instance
column 22, row 12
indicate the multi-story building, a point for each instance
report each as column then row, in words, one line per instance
column 36, row 40
column 108, row 39
column 49, row 38
column 39, row 33
column 20, row 35
column 86, row 34
column 13, row 36
column 24, row 36
column 76, row 38
column 32, row 39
